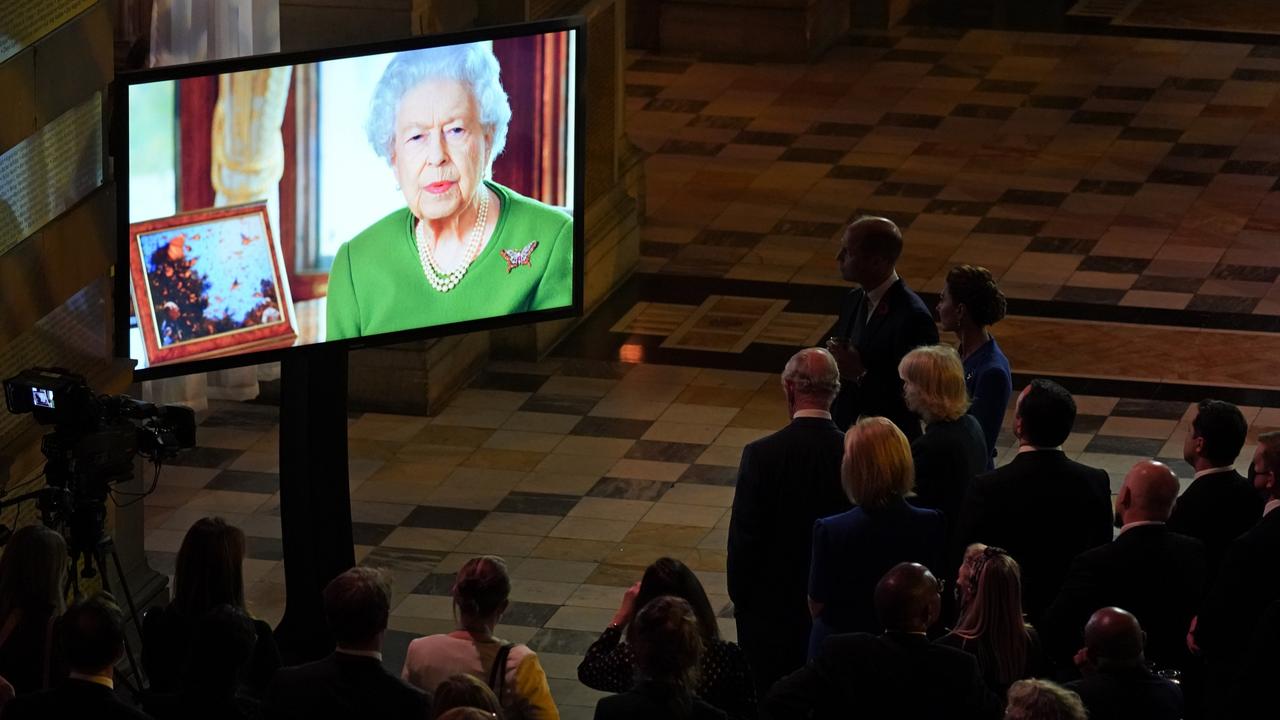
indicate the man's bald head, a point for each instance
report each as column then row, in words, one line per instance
column 811, row 379
column 907, row 598
column 1149, row 491
column 1113, row 636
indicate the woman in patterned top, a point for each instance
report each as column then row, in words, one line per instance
column 724, row 680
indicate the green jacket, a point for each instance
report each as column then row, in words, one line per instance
column 377, row 285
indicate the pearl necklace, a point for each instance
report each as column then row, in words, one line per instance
column 445, row 281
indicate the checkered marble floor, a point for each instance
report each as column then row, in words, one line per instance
column 579, row 473
column 1096, row 169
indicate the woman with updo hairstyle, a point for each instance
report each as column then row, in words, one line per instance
column 480, row 597
column 991, row 625
column 723, row 678
column 952, row 449
column 33, row 573
column 853, row 550
column 208, row 573
column 668, row 643
column 970, row 303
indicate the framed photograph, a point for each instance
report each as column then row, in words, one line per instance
column 209, row 283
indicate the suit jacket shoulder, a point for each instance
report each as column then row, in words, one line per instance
column 340, row 684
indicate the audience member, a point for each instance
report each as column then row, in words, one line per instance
column 1117, row 684
column 952, row 450
column 480, row 597
column 208, row 574
column 898, row 674
column 93, row 642
column 33, row 572
column 880, row 322
column 213, row 679
column 351, row 682
column 970, row 303
column 853, row 550
column 991, row 627
column 1156, row 574
column 1042, row 507
column 1252, row 694
column 786, row 481
column 724, row 677
column 1246, row 585
column 1220, row 504
column 465, row 691
column 469, row 713
column 1043, row 700
column 668, row 642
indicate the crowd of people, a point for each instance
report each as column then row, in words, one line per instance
column 880, row 568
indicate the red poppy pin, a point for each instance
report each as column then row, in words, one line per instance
column 516, row 258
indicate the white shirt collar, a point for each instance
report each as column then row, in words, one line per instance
column 1271, row 505
column 360, row 653
column 875, row 295
column 103, row 680
column 811, row 414
column 1211, row 471
column 1033, row 448
column 1138, row 523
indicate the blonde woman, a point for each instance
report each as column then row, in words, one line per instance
column 1043, row 700
column 991, row 626
column 853, row 550
column 952, row 449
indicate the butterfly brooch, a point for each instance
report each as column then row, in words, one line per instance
column 516, row 258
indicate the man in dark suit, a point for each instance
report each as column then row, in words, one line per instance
column 880, row 322
column 1117, row 685
column 351, row 682
column 786, row 481
column 1156, row 574
column 1041, row 507
column 1220, row 504
column 898, row 674
column 93, row 640
column 1246, row 585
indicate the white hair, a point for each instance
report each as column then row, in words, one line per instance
column 472, row 64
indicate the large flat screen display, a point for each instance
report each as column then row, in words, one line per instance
column 349, row 197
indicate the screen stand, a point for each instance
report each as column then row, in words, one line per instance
column 315, row 499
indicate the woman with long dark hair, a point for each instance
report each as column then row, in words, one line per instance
column 724, row 679
column 209, row 573
column 667, row 641
column 991, row 626
column 33, row 573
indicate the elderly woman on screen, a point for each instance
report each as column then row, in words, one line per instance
column 464, row 247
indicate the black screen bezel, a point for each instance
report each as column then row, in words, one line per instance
column 120, row 158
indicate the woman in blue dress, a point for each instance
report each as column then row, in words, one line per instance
column 970, row 304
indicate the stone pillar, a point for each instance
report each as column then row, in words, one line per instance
column 58, row 234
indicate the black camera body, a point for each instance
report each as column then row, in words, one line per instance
column 93, row 444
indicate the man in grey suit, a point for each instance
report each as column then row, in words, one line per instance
column 786, row 481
